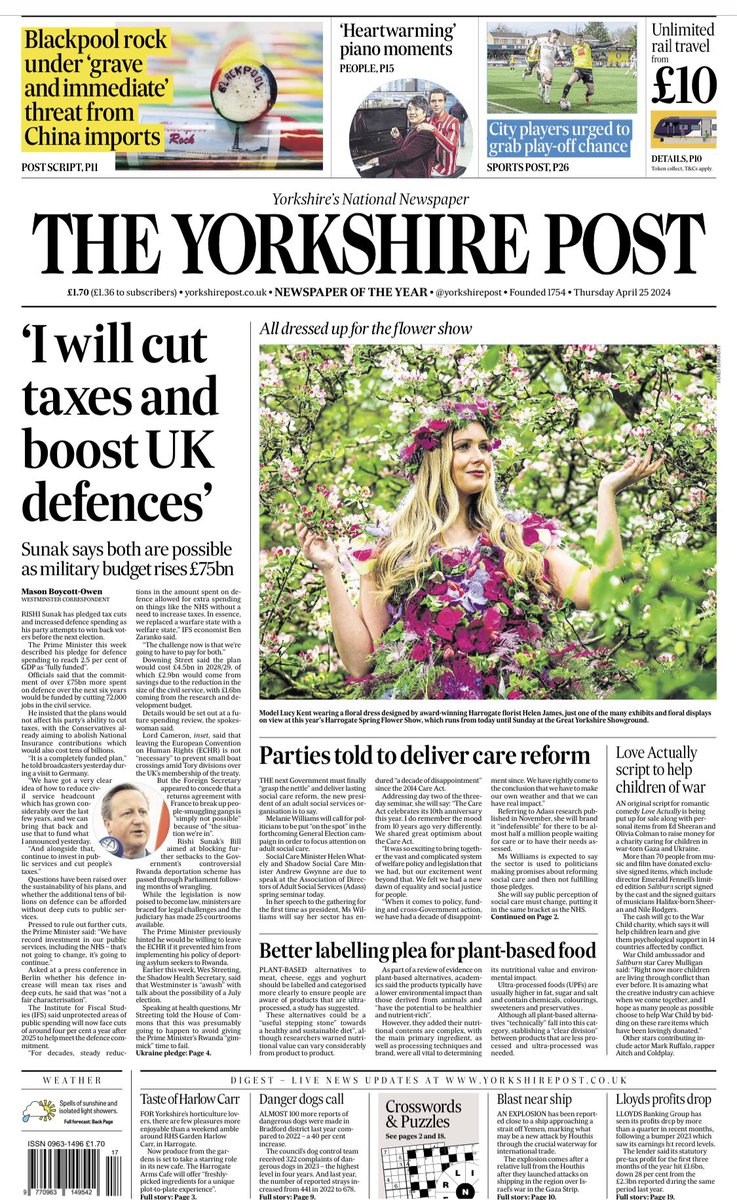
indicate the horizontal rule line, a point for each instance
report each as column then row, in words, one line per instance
column 289, row 16
column 382, row 307
column 326, row 180
column 254, row 1087
column 477, row 1070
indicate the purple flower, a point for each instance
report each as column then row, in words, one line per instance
column 462, row 682
column 474, row 598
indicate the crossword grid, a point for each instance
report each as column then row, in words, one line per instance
column 425, row 1170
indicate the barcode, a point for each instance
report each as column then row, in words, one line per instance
column 113, row 1175
column 64, row 1168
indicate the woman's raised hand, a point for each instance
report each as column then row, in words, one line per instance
column 321, row 552
column 637, row 467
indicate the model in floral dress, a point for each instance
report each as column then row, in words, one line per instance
column 470, row 631
column 460, row 600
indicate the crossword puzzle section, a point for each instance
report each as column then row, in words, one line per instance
column 430, row 1170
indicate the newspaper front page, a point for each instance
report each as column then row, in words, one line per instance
column 361, row 601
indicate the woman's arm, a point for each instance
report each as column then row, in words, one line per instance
column 371, row 610
column 573, row 581
column 353, row 631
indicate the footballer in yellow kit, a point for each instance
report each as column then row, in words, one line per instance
column 533, row 58
column 583, row 69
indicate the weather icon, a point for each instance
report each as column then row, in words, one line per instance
column 39, row 1110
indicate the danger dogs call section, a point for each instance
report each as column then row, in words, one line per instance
column 81, row 88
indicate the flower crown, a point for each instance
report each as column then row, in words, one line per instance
column 452, row 414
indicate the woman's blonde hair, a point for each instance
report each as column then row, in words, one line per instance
column 431, row 509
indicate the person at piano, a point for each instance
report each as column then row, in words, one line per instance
column 413, row 154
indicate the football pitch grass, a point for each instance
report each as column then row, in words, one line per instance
column 508, row 92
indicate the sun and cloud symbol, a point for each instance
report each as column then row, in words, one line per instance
column 40, row 1110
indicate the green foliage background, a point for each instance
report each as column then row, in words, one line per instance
column 334, row 417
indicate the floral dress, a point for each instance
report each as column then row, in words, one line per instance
column 471, row 632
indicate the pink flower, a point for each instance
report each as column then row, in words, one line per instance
column 446, row 621
column 492, row 623
column 483, row 640
column 418, row 620
column 464, row 640
column 494, row 590
column 539, row 529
